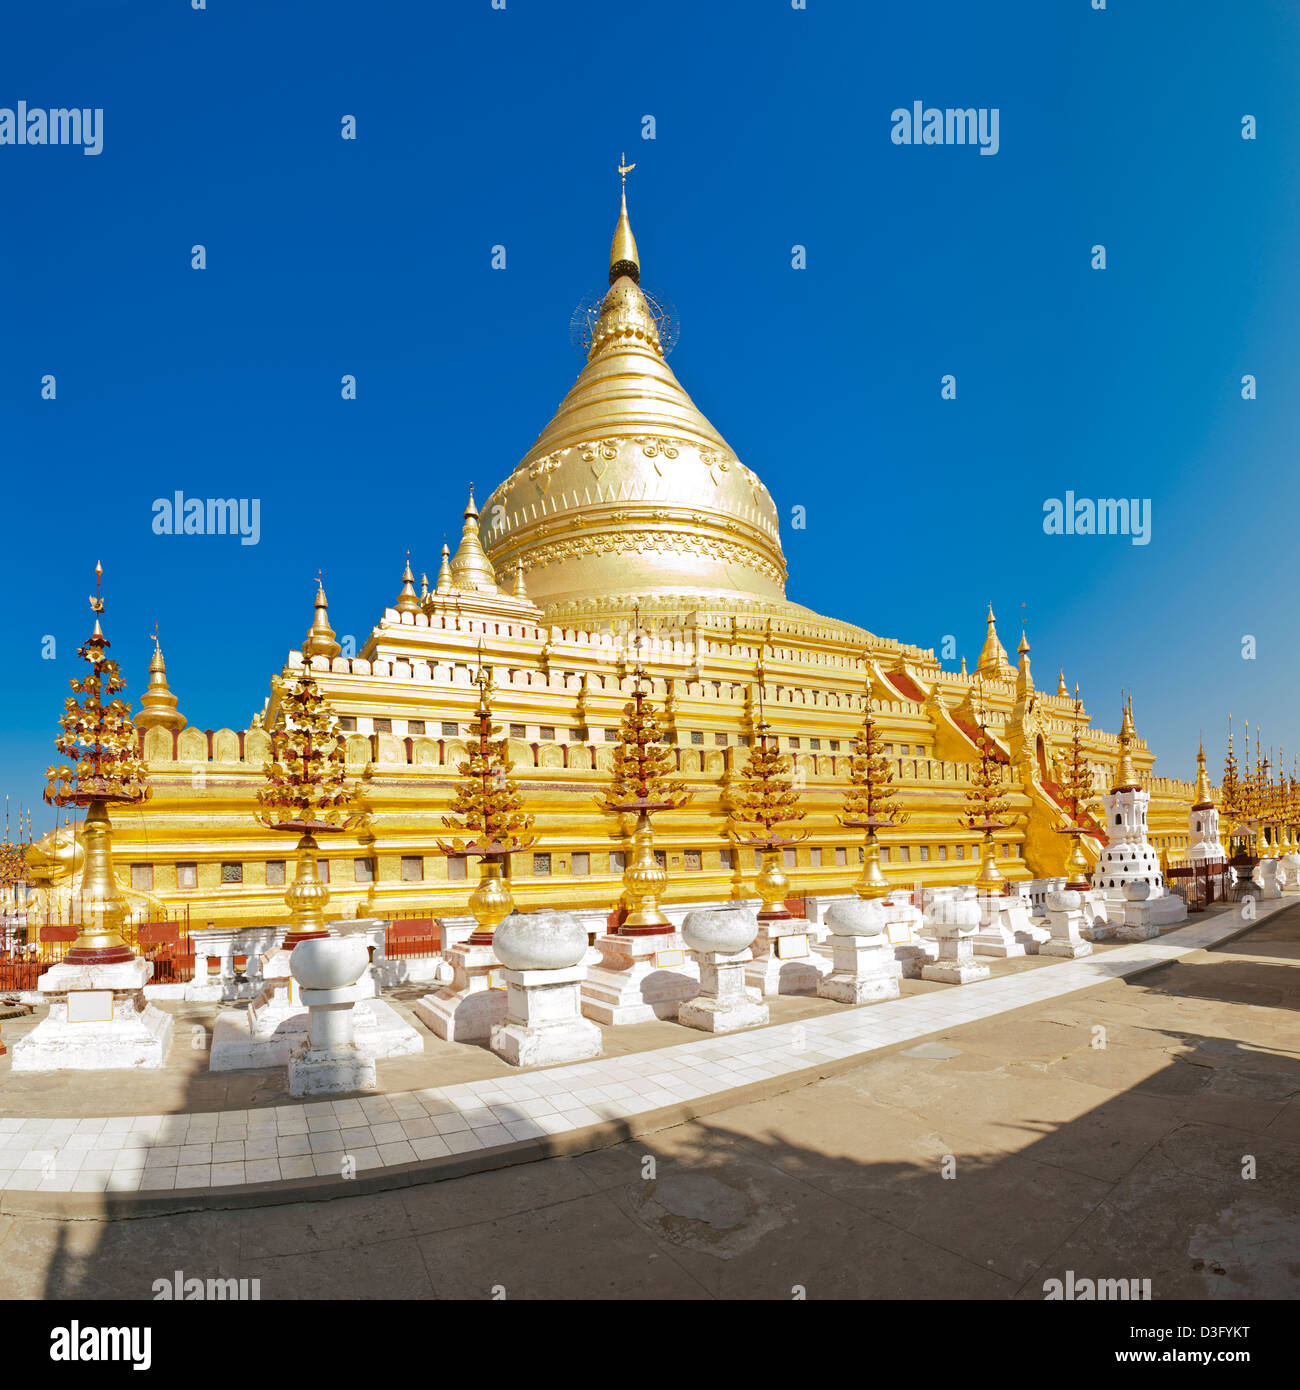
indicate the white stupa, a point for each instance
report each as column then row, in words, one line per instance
column 1203, row 843
column 1129, row 857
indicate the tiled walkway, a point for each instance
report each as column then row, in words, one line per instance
column 286, row 1144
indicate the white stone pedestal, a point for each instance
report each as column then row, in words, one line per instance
column 784, row 961
column 275, row 1023
column 328, row 1061
column 954, row 926
column 864, row 967
column 1288, row 874
column 719, row 939
column 639, row 978
column 1066, row 923
column 99, row 1020
column 1266, row 877
column 913, row 956
column 1137, row 923
column 544, row 1023
column 223, row 944
column 724, row 1003
column 864, row 970
column 996, row 935
column 473, row 1004
column 1097, row 914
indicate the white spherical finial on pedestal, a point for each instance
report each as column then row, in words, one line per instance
column 864, row 966
column 329, row 1062
column 863, row 917
column 720, row 941
column 541, row 954
column 540, row 941
column 726, row 931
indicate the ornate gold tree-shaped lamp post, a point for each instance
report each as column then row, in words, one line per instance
column 987, row 804
column 870, row 803
column 764, row 803
column 1077, row 791
column 641, row 785
column 488, row 806
column 102, row 743
column 1230, row 793
column 306, row 794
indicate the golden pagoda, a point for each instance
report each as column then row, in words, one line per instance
column 629, row 500
column 158, row 706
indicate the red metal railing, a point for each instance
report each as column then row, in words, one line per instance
column 413, row 937
column 16, row 974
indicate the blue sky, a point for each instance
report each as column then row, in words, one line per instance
column 477, row 127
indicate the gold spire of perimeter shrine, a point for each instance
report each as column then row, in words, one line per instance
column 470, row 567
column 408, row 601
column 623, row 259
column 443, row 583
column 320, row 636
column 1203, row 796
column 1060, row 684
column 158, row 706
column 1126, row 778
column 993, row 656
column 1024, row 678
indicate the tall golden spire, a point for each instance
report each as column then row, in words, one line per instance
column 408, row 601
column 629, row 468
column 993, row 657
column 158, row 704
column 622, row 250
column 1024, row 679
column 470, row 567
column 1126, row 778
column 1203, row 796
column 320, row 637
column 1060, row 684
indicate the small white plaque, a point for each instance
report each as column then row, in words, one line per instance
column 90, row 1006
column 792, row 947
column 666, row 960
column 898, row 933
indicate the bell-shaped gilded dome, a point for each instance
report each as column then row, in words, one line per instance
column 629, row 489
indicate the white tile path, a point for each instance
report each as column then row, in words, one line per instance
column 164, row 1153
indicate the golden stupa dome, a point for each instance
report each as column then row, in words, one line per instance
column 629, row 489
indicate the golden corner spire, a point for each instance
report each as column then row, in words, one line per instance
column 470, row 567
column 158, row 706
column 623, row 258
column 320, row 636
column 1060, row 684
column 408, row 601
column 993, row 656
column 443, row 584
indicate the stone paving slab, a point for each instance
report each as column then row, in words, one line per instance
column 277, row 1153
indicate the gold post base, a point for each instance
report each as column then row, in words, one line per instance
column 872, row 882
column 1076, row 867
column 101, row 905
column 990, row 879
column 306, row 897
column 772, row 884
column 643, row 883
column 491, row 902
